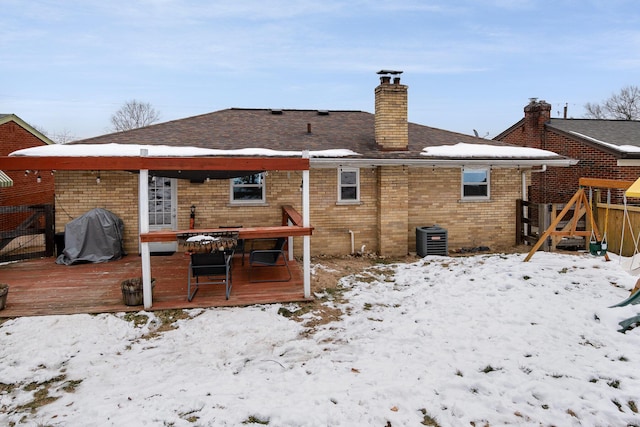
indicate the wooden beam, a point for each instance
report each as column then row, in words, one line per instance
column 605, row 183
column 578, row 199
column 132, row 163
column 243, row 233
column 288, row 212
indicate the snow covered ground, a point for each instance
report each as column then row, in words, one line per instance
column 480, row 340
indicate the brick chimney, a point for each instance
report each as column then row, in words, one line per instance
column 391, row 121
column 536, row 114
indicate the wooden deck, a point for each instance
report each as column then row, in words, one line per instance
column 42, row 287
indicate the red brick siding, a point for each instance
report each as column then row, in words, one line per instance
column 557, row 184
column 25, row 190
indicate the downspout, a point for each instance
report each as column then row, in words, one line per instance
column 524, row 181
column 353, row 244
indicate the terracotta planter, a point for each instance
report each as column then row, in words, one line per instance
column 132, row 291
column 4, row 291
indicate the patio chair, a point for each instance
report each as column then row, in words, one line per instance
column 273, row 257
column 240, row 245
column 211, row 268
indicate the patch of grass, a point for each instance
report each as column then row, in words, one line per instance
column 136, row 318
column 614, row 383
column 459, row 373
column 40, row 398
column 618, row 405
column 189, row 416
column 633, row 406
column 70, row 386
column 285, row 312
column 623, row 359
column 169, row 318
column 526, row 370
column 489, row 368
column 428, row 420
column 565, row 270
column 255, row 420
column 7, row 388
column 367, row 306
column 164, row 321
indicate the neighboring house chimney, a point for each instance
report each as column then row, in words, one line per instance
column 536, row 114
column 391, row 122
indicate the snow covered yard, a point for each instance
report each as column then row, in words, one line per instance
column 480, row 340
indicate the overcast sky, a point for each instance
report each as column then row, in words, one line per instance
column 68, row 65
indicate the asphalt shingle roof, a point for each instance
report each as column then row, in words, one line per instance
column 616, row 132
column 237, row 128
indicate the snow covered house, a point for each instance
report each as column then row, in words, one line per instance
column 373, row 178
column 605, row 149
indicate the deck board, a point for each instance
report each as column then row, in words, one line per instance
column 42, row 287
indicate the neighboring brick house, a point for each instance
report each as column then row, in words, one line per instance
column 21, row 190
column 26, row 189
column 606, row 149
column 372, row 200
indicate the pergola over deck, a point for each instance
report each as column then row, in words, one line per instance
column 220, row 166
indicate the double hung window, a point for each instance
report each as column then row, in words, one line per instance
column 248, row 189
column 475, row 183
column 348, row 185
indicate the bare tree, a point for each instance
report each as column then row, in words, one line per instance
column 624, row 105
column 59, row 137
column 594, row 111
column 132, row 115
column 63, row 137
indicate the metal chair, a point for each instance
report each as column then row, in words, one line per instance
column 211, row 268
column 274, row 257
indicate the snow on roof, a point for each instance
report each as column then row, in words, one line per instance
column 133, row 150
column 623, row 148
column 463, row 150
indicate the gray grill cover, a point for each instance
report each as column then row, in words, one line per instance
column 95, row 236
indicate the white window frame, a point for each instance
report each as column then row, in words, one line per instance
column 233, row 185
column 486, row 184
column 341, row 185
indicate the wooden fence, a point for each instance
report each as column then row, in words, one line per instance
column 616, row 223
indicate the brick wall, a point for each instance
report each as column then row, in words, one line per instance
column 78, row 193
column 391, row 125
column 393, row 207
column 557, row 184
column 26, row 190
column 333, row 221
column 383, row 221
column 435, row 199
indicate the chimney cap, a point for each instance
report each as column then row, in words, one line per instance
column 392, row 72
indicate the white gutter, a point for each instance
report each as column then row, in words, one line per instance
column 430, row 163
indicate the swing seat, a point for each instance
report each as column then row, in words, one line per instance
column 597, row 248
